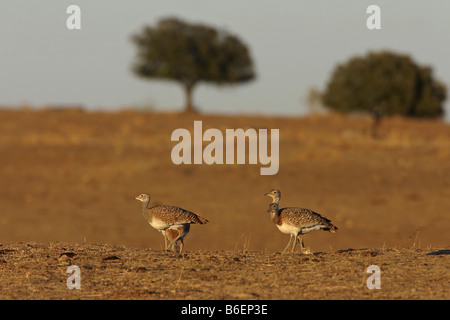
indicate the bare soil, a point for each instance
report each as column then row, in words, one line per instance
column 39, row 271
column 69, row 178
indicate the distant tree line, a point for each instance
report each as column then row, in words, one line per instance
column 385, row 83
column 382, row 83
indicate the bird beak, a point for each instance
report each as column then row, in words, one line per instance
column 267, row 194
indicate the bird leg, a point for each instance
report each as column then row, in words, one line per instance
column 181, row 246
column 165, row 238
column 165, row 242
column 290, row 239
column 302, row 244
column 176, row 247
column 176, row 239
column 295, row 243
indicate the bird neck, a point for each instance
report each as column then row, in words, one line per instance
column 276, row 200
column 145, row 204
column 275, row 216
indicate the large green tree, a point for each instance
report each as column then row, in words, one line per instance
column 387, row 82
column 191, row 53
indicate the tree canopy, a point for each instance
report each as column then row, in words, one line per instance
column 191, row 53
column 387, row 82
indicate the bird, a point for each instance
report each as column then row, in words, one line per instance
column 164, row 218
column 296, row 221
column 170, row 234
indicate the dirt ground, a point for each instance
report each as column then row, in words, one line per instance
column 69, row 178
column 39, row 271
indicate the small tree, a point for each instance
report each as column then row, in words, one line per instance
column 387, row 82
column 191, row 53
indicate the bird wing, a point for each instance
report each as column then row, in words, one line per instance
column 302, row 216
column 175, row 215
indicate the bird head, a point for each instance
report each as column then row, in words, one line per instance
column 273, row 207
column 275, row 194
column 144, row 197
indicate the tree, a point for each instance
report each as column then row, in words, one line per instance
column 191, row 53
column 387, row 82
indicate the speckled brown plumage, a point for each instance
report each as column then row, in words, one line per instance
column 173, row 215
column 166, row 217
column 296, row 221
column 305, row 218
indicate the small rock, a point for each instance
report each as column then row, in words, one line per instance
column 111, row 258
column 66, row 255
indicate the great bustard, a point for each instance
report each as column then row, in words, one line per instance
column 164, row 217
column 296, row 221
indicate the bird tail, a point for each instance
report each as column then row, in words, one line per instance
column 332, row 228
column 202, row 220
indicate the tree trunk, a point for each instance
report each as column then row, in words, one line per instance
column 189, row 107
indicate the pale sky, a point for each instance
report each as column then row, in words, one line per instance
column 295, row 45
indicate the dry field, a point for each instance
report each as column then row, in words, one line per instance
column 69, row 178
column 38, row 271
